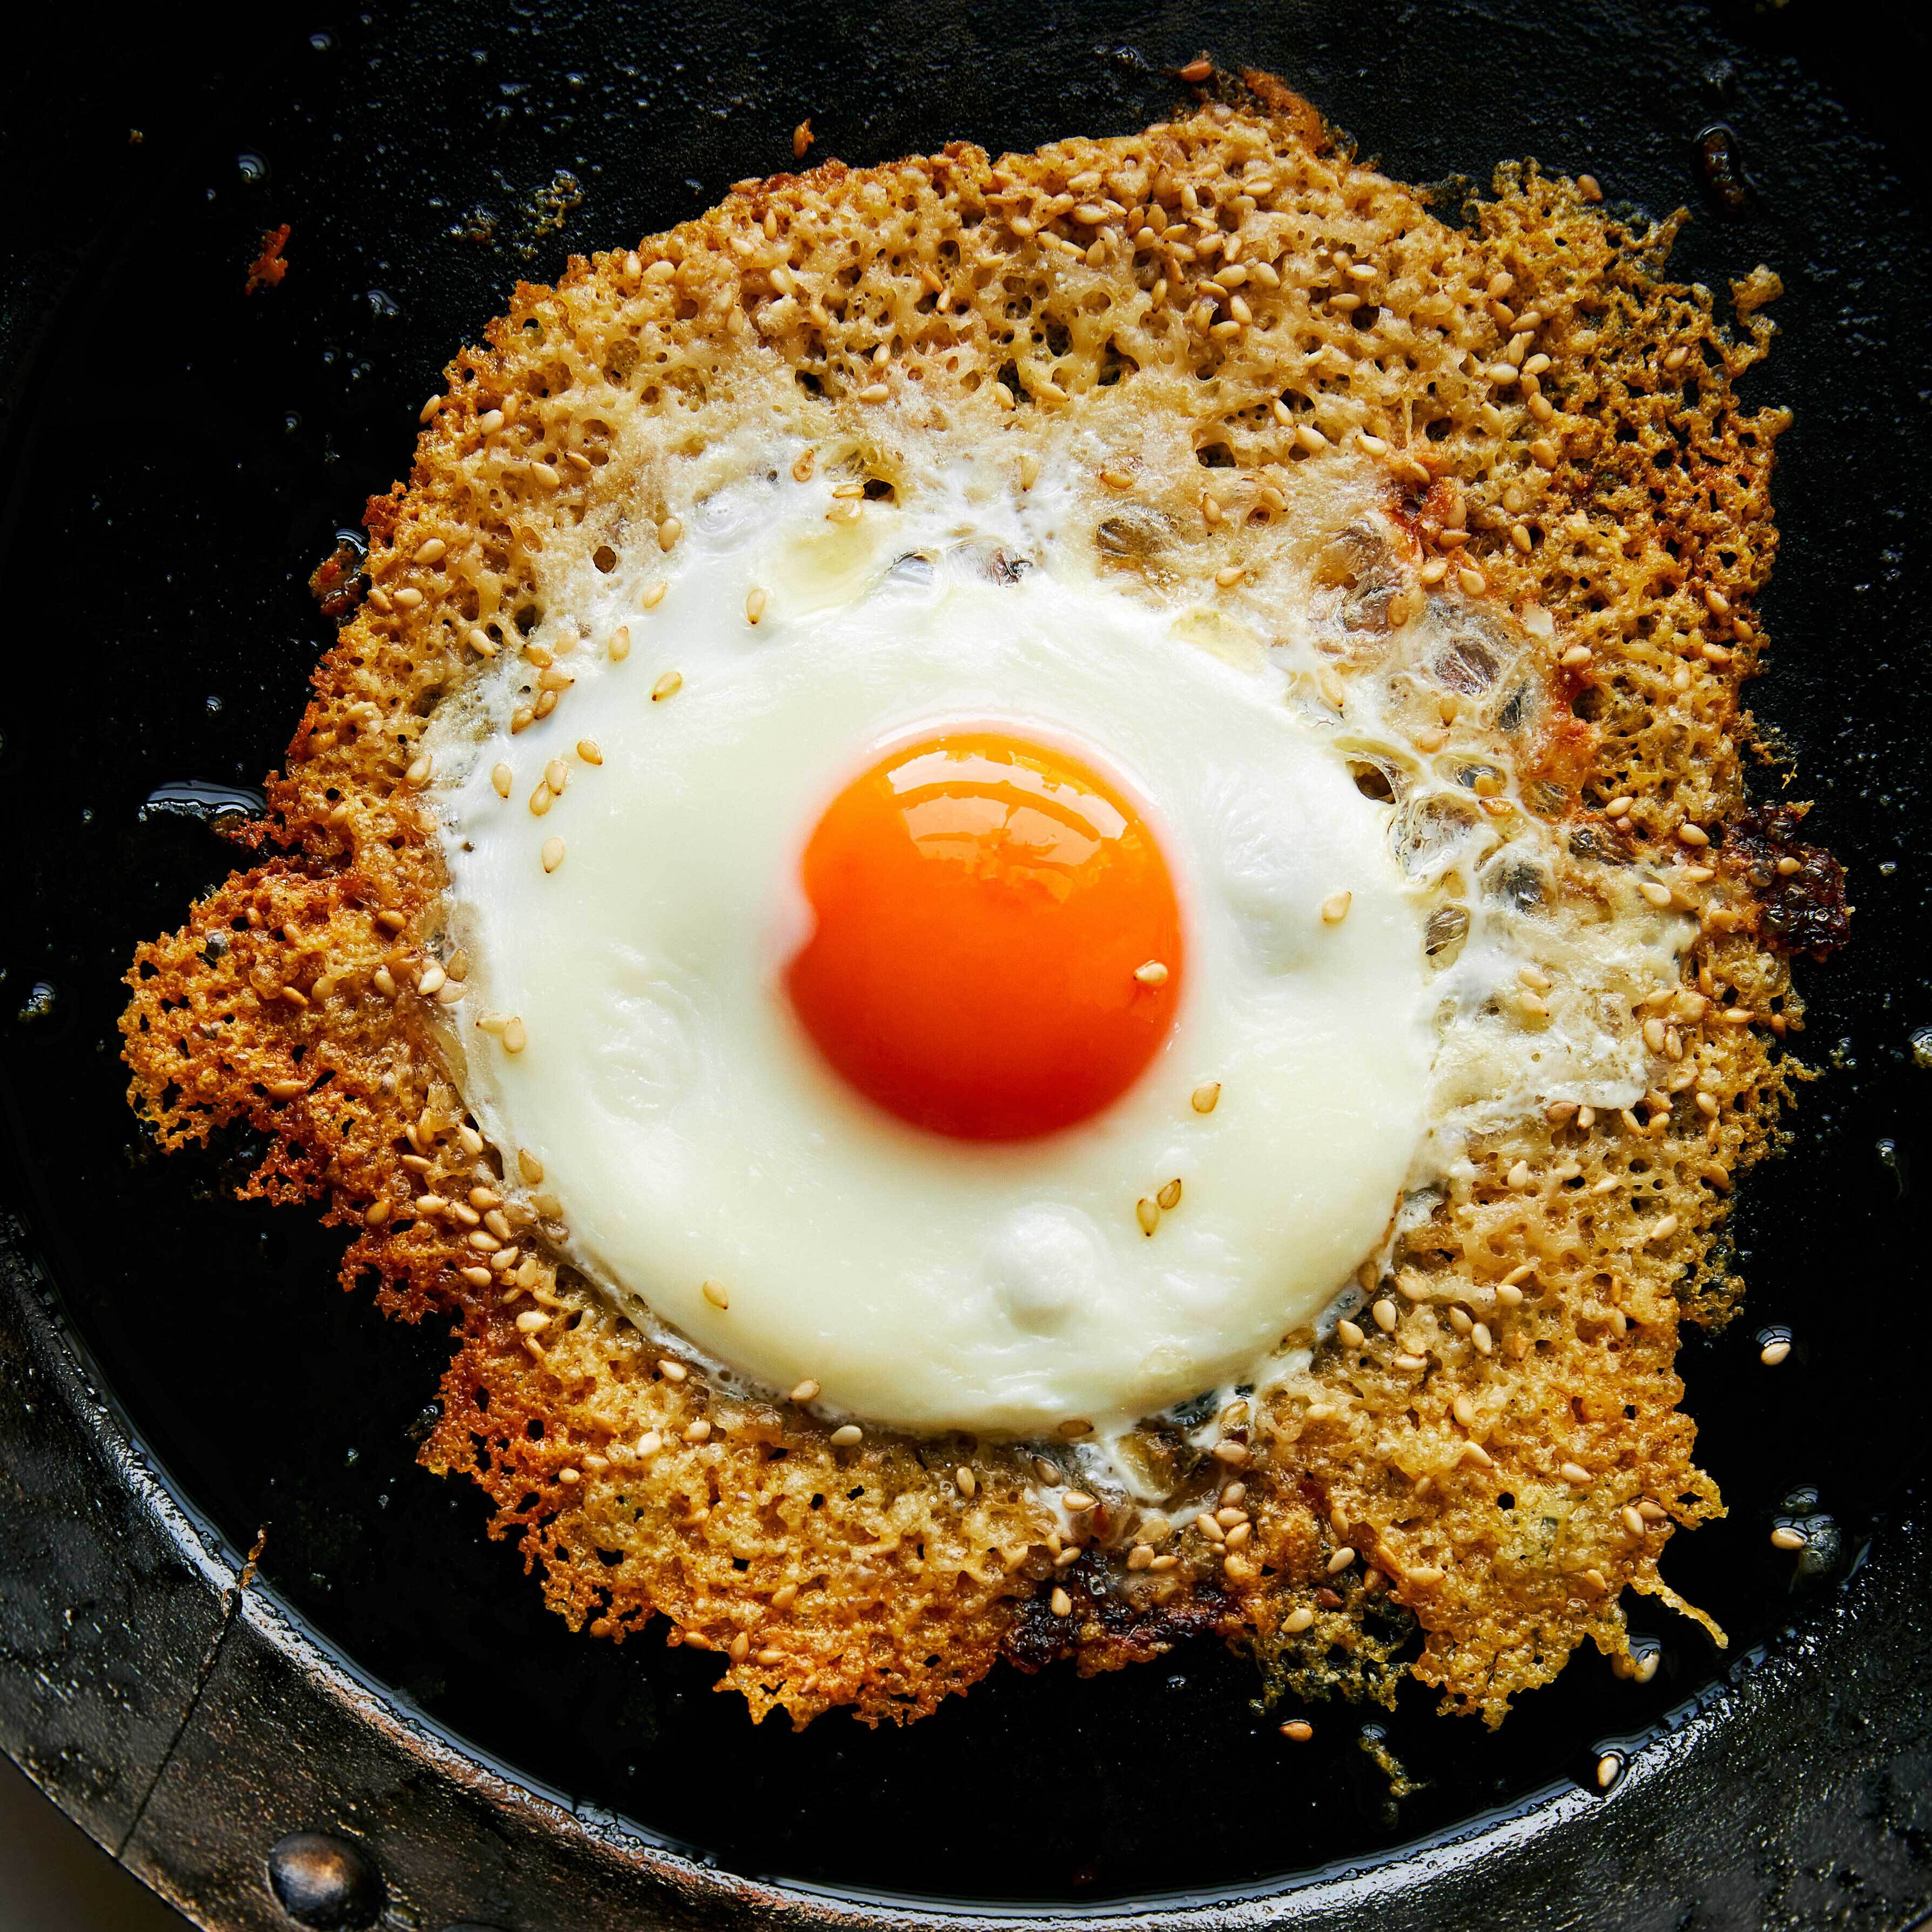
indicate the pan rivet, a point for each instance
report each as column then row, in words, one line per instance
column 326, row 1882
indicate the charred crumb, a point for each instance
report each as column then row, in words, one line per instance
column 337, row 582
column 1799, row 887
column 1126, row 1629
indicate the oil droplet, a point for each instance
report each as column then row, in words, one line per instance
column 1922, row 1046
column 41, row 1003
column 253, row 169
column 1893, row 1162
column 201, row 799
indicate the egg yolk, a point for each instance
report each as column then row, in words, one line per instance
column 997, row 950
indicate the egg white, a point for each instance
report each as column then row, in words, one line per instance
column 691, row 1132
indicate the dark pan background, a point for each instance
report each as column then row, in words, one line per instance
column 177, row 458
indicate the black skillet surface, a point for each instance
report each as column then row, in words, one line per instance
column 177, row 459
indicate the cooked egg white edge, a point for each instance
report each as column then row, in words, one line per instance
column 922, row 1282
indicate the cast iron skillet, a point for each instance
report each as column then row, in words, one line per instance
column 180, row 1371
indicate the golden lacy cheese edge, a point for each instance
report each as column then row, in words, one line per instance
column 1463, row 1494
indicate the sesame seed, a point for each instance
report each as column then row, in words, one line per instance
column 875, row 392
column 1659, row 895
column 1335, row 907
column 1633, row 1522
column 1350, row 1334
column 1773, row 1353
column 1169, row 1196
column 717, row 1294
column 1693, row 835
column 653, row 597
column 1577, row 654
column 1297, row 1620
column 409, row 599
column 1147, row 1212
column 481, row 642
column 1152, row 973
column 429, row 982
column 1141, row 1557
column 1433, row 571
column 1205, row 1098
column 419, row 770
column 1384, row 1311
column 552, row 854
column 698, row 1431
column 542, row 800
column 1783, row 1537
column 754, row 606
column 589, row 751
column 557, row 775
column 1472, row 580
column 1061, row 1604
column 807, row 1390
column 669, row 531
column 1609, row 1767
column 1209, row 1528
column 1233, row 1454
column 516, row 1037
column 1575, row 1474
column 1519, row 1175
column 1299, row 1729
column 669, row 685
column 1228, row 575
column 502, row 777
column 1074, row 1427
column 1340, row 1561
column 1664, row 1228
column 844, row 1438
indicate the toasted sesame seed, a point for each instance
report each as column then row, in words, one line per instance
column 754, row 606
column 807, row 1390
column 1784, row 1537
column 1074, row 1427
column 1147, row 1212
column 552, row 854
column 1297, row 1620
column 1340, row 1561
column 667, row 686
column 557, row 775
column 589, row 751
column 717, row 1294
column 1151, row 973
column 844, row 1438
column 1299, row 1729
column 1169, row 1196
column 1693, row 835
column 542, row 800
column 1773, row 1353
column 1161, row 1565
column 1787, row 865
column 1060, row 1603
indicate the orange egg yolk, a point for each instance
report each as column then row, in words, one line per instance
column 998, row 952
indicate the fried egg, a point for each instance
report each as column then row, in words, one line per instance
column 933, row 975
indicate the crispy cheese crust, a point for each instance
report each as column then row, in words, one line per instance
column 1502, row 1452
